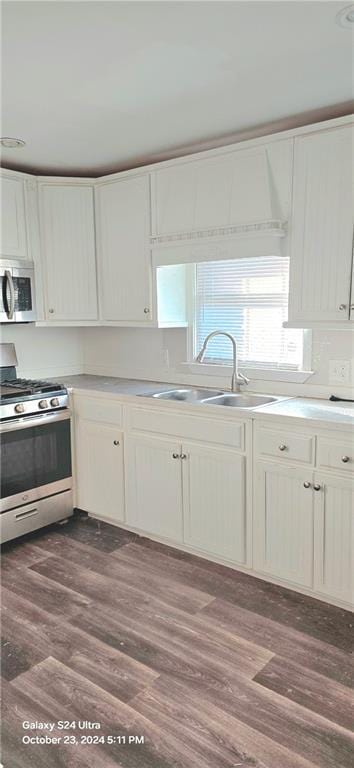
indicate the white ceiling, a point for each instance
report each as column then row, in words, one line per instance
column 99, row 86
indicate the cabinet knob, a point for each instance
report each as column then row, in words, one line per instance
column 316, row 487
column 342, row 307
column 175, row 455
column 307, row 484
column 146, row 310
column 51, row 311
column 352, row 306
column 183, row 456
column 345, row 459
column 115, row 442
column 282, row 447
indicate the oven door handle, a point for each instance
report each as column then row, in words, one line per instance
column 10, row 307
column 35, row 421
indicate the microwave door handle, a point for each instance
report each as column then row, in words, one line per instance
column 11, row 307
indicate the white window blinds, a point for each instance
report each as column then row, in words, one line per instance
column 248, row 298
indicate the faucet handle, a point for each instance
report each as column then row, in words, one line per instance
column 243, row 378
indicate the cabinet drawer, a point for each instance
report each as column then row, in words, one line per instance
column 336, row 454
column 283, row 444
column 188, row 427
column 98, row 409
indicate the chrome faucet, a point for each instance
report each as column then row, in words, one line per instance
column 237, row 377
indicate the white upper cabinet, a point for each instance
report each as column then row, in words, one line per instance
column 13, row 217
column 240, row 187
column 322, row 227
column 66, row 214
column 123, row 227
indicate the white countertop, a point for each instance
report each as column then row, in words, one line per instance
column 324, row 412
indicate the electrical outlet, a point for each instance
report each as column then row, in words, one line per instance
column 339, row 371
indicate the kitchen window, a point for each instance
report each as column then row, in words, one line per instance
column 248, row 298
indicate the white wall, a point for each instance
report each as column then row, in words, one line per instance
column 45, row 352
column 159, row 354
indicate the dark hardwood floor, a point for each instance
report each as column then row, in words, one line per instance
column 215, row 669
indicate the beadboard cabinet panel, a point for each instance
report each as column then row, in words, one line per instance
column 13, row 218
column 100, row 473
column 154, row 486
column 123, row 209
column 334, row 537
column 322, row 226
column 243, row 186
column 67, row 231
column 214, row 493
column 283, row 523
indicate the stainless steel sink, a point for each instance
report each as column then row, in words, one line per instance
column 187, row 395
column 240, row 401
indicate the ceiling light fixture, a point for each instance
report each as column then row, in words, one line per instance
column 10, row 143
column 345, row 17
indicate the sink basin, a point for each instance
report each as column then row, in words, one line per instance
column 187, row 395
column 240, row 401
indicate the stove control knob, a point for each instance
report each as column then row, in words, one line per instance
column 43, row 404
column 54, row 402
column 19, row 408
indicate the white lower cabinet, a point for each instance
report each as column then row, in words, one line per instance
column 100, row 469
column 334, row 536
column 153, row 486
column 283, row 520
column 214, row 501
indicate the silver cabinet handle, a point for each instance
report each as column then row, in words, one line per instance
column 146, row 310
column 307, row 484
column 115, row 442
column 342, row 307
column 11, row 309
column 345, row 459
column 282, row 447
column 316, row 487
column 175, row 456
column 183, row 456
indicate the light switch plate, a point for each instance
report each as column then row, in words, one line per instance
column 340, row 371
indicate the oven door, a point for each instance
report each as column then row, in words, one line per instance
column 17, row 299
column 35, row 458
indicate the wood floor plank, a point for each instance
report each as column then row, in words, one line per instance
column 33, row 638
column 88, row 701
column 45, row 593
column 176, row 707
column 302, row 648
column 101, row 536
column 20, row 555
column 18, row 707
column 313, row 691
column 320, row 620
column 181, row 596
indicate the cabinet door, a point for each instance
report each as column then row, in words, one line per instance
column 154, row 486
column 68, row 251
column 283, row 523
column 322, row 226
column 334, row 537
column 214, row 501
column 100, row 474
column 123, row 249
column 13, row 223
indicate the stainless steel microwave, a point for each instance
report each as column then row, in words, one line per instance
column 17, row 297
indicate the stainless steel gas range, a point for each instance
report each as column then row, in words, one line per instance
column 35, row 439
